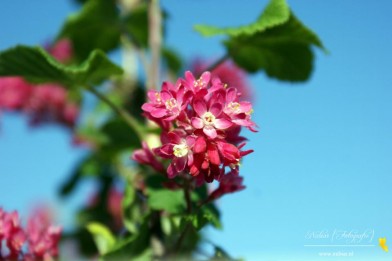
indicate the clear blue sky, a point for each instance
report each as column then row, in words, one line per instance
column 322, row 158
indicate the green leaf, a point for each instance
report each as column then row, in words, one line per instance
column 136, row 23
column 95, row 26
column 119, row 137
column 276, row 13
column 207, row 215
column 131, row 209
column 168, row 200
column 134, row 247
column 277, row 43
column 87, row 167
column 103, row 238
column 172, row 60
column 37, row 66
column 283, row 52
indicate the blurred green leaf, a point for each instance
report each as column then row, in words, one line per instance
column 95, row 26
column 36, row 65
column 135, row 247
column 136, row 23
column 131, row 209
column 208, row 214
column 87, row 167
column 283, row 52
column 119, row 136
column 221, row 255
column 103, row 238
column 168, row 200
column 172, row 60
column 276, row 13
column 277, row 43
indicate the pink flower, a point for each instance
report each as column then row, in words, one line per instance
column 14, row 93
column 201, row 131
column 196, row 85
column 228, row 183
column 168, row 103
column 43, row 238
column 179, row 149
column 239, row 112
column 48, row 103
column 61, row 50
column 145, row 156
column 210, row 118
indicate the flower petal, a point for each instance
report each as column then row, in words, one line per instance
column 222, row 124
column 180, row 163
column 200, row 107
column 197, row 123
column 171, row 171
column 213, row 154
column 200, row 145
column 216, row 109
column 158, row 112
column 210, row 132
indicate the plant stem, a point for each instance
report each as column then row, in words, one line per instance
column 189, row 211
column 154, row 41
column 129, row 119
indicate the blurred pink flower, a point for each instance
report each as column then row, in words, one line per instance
column 48, row 103
column 41, row 237
column 61, row 50
column 14, row 93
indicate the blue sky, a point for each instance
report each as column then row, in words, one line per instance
column 322, row 160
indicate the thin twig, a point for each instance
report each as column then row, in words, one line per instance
column 154, row 41
column 188, row 200
column 129, row 119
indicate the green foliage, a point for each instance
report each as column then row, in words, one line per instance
column 95, row 26
column 168, row 200
column 136, row 24
column 87, row 167
column 103, row 238
column 36, row 65
column 277, row 43
column 206, row 215
column 135, row 247
column 172, row 60
column 276, row 13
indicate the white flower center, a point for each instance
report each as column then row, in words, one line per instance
column 180, row 150
column 170, row 104
column 198, row 83
column 234, row 107
column 208, row 118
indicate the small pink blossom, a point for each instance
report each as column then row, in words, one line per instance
column 210, row 119
column 41, row 237
column 228, row 183
column 145, row 156
column 179, row 149
column 169, row 103
column 61, row 50
column 14, row 93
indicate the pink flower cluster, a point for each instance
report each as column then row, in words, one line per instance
column 44, row 102
column 41, row 237
column 201, row 121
